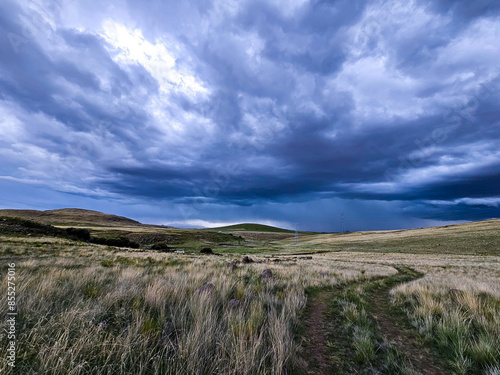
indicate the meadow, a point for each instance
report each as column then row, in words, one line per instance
column 93, row 309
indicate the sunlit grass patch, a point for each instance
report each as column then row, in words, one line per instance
column 459, row 317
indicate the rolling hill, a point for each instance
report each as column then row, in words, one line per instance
column 72, row 217
column 250, row 227
column 474, row 238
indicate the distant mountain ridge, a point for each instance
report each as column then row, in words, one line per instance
column 79, row 217
column 71, row 216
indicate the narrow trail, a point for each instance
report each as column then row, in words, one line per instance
column 316, row 328
column 324, row 340
column 326, row 345
column 392, row 328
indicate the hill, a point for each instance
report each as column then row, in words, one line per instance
column 72, row 217
column 474, row 238
column 250, row 227
column 108, row 229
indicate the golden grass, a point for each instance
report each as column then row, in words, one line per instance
column 457, row 307
column 88, row 309
column 477, row 238
column 140, row 313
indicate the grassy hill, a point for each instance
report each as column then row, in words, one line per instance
column 250, row 227
column 481, row 237
column 72, row 217
column 108, row 227
column 475, row 238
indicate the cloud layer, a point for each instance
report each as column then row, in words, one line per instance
column 276, row 111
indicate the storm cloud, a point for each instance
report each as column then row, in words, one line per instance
column 282, row 112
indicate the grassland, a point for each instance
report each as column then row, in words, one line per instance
column 88, row 309
column 108, row 227
column 476, row 238
column 93, row 309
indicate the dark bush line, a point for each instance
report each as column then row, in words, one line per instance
column 79, row 233
column 19, row 226
column 161, row 246
column 84, row 235
column 118, row 242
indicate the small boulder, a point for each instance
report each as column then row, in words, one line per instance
column 234, row 304
column 247, row 259
column 267, row 273
column 206, row 250
column 206, row 289
column 324, row 273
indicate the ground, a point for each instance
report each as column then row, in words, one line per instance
column 398, row 302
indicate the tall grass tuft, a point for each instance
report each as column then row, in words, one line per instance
column 463, row 323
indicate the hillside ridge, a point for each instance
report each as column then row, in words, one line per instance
column 250, row 227
column 71, row 216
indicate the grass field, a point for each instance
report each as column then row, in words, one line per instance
column 368, row 303
column 475, row 238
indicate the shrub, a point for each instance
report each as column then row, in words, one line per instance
column 79, row 233
column 117, row 242
column 160, row 246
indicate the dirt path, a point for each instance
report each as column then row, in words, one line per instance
column 325, row 342
column 316, row 334
column 326, row 345
column 390, row 322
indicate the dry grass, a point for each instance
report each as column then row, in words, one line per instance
column 460, row 312
column 92, row 310
column 478, row 238
column 455, row 306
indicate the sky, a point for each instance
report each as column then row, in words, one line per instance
column 313, row 115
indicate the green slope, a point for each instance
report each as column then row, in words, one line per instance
column 250, row 227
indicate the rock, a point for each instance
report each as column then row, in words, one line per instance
column 323, row 273
column 206, row 289
column 233, row 265
column 206, row 250
column 266, row 273
column 246, row 259
column 305, row 257
column 277, row 260
column 234, row 303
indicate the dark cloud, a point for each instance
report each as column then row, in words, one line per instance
column 257, row 108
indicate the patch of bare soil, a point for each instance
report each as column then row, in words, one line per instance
column 316, row 355
column 393, row 330
column 315, row 337
column 323, row 340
